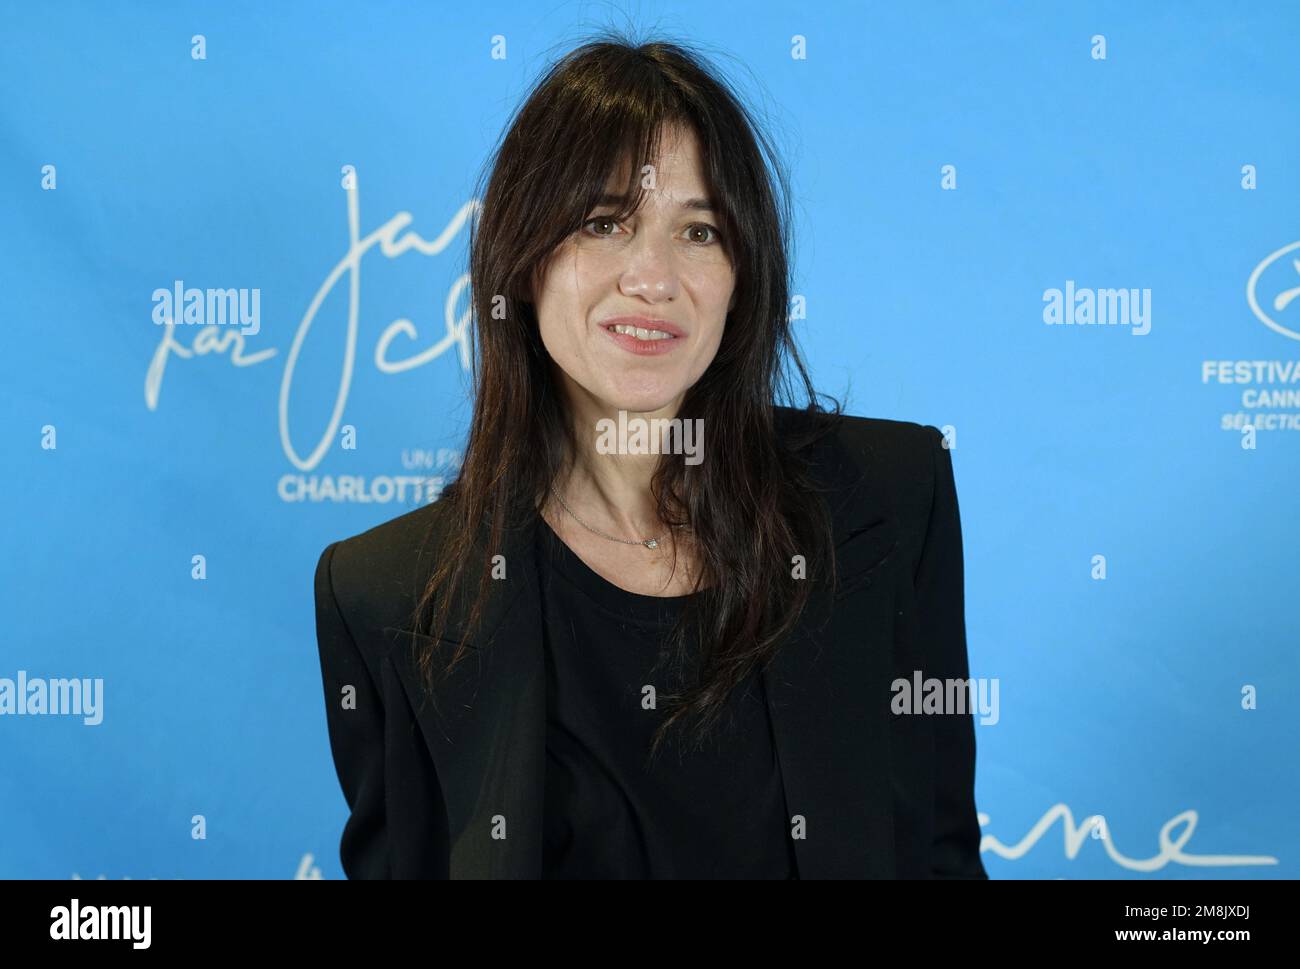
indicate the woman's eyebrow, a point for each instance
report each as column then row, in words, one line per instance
column 697, row 204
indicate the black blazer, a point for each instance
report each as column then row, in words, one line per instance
column 882, row 795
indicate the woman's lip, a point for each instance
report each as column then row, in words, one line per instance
column 644, row 323
column 646, row 348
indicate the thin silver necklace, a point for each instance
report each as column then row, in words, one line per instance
column 647, row 542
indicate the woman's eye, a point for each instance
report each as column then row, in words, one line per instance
column 707, row 228
column 712, row 235
column 600, row 220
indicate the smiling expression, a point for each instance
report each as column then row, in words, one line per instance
column 632, row 312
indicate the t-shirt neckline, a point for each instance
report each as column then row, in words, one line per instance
column 655, row 610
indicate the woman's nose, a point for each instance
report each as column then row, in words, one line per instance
column 651, row 272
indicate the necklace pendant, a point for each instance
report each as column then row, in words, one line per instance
column 651, row 543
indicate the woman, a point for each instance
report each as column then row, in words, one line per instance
column 661, row 654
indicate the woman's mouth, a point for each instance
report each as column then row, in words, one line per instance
column 644, row 340
column 641, row 333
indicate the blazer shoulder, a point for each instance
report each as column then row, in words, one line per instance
column 376, row 576
column 876, row 445
column 880, row 444
column 899, row 462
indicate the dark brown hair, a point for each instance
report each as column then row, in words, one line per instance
column 751, row 502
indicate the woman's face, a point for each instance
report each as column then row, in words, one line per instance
column 664, row 270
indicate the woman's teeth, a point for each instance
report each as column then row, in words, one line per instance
column 642, row 334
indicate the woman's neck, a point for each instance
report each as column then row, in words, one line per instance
column 611, row 488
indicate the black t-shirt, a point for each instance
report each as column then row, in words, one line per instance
column 714, row 812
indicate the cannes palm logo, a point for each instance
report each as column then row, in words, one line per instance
column 1269, row 390
column 1282, row 267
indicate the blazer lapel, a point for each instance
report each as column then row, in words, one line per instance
column 486, row 729
column 831, row 734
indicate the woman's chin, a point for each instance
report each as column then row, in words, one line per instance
column 647, row 402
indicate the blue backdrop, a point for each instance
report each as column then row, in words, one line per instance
column 964, row 174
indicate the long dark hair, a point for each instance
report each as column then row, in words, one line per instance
column 751, row 503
